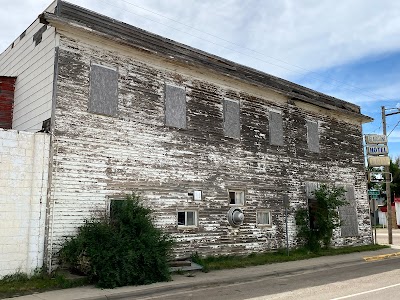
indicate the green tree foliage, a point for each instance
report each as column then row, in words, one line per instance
column 395, row 170
column 125, row 249
column 316, row 224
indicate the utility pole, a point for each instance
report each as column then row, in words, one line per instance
column 387, row 180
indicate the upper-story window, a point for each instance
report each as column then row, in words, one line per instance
column 312, row 136
column 232, row 118
column 175, row 106
column 275, row 128
column 103, row 95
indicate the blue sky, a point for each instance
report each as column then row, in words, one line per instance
column 346, row 49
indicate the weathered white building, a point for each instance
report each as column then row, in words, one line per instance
column 212, row 146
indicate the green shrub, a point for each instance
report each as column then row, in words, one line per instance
column 324, row 216
column 125, row 249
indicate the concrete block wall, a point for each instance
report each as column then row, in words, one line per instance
column 24, row 160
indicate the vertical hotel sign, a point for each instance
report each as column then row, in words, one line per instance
column 377, row 150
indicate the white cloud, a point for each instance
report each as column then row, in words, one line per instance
column 311, row 34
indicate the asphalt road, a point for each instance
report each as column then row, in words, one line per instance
column 366, row 280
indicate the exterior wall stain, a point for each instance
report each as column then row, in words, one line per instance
column 98, row 158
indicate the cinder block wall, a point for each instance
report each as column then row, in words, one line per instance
column 23, row 187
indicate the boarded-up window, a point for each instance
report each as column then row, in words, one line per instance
column 232, row 118
column 275, row 128
column 348, row 214
column 311, row 187
column 312, row 136
column 103, row 97
column 175, row 106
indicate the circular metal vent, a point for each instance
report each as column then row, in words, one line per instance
column 235, row 216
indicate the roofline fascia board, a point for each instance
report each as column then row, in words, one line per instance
column 197, row 57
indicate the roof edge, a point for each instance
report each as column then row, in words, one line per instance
column 80, row 18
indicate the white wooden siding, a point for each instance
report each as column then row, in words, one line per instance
column 34, row 68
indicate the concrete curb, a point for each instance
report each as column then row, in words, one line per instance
column 381, row 257
column 178, row 287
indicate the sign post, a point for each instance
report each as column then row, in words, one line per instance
column 373, row 195
column 377, row 151
column 286, row 205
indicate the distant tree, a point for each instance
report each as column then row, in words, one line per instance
column 395, row 170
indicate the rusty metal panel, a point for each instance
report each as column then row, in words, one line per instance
column 275, row 128
column 232, row 118
column 312, row 136
column 103, row 97
column 175, row 106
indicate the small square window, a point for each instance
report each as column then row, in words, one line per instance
column 264, row 218
column 236, row 197
column 197, row 195
column 187, row 218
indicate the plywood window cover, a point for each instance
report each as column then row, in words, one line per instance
column 275, row 129
column 103, row 96
column 175, row 106
column 231, row 122
column 313, row 136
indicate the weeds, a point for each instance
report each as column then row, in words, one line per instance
column 19, row 283
column 255, row 259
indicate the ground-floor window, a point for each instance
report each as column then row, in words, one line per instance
column 264, row 218
column 236, row 197
column 187, row 218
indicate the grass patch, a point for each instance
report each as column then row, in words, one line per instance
column 19, row 284
column 255, row 259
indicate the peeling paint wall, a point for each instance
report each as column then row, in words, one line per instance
column 23, row 188
column 97, row 157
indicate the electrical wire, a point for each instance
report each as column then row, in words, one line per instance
column 393, row 128
column 350, row 88
column 249, row 49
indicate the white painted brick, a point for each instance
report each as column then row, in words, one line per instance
column 8, row 145
column 23, row 184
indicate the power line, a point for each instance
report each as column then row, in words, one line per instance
column 394, row 128
column 319, row 76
